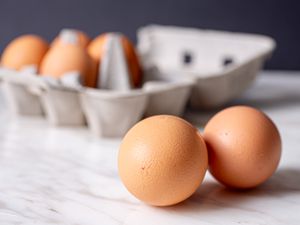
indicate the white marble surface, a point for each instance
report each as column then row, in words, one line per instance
column 67, row 176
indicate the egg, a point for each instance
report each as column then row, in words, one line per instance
column 96, row 46
column 97, row 51
column 244, row 147
column 81, row 38
column 162, row 160
column 26, row 50
column 70, row 57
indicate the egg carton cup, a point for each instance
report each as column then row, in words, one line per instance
column 62, row 106
column 108, row 113
column 19, row 94
column 222, row 64
column 28, row 94
column 112, row 114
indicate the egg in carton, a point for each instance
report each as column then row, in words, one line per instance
column 65, row 69
column 20, row 59
column 222, row 64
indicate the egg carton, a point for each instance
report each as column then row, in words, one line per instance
column 107, row 113
column 206, row 68
column 222, row 64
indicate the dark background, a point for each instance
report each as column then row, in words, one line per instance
column 278, row 19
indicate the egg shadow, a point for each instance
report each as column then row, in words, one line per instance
column 212, row 196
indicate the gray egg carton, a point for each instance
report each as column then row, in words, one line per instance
column 205, row 68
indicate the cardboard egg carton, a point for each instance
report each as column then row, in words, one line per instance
column 222, row 64
column 206, row 68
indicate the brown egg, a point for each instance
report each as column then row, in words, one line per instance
column 244, row 147
column 96, row 50
column 25, row 50
column 82, row 38
column 162, row 160
column 64, row 58
column 96, row 46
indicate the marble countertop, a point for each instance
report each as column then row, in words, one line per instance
column 66, row 176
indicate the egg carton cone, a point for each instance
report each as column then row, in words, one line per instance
column 18, row 89
column 113, row 72
column 112, row 114
column 222, row 64
column 68, row 36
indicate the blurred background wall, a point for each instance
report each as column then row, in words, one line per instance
column 278, row 19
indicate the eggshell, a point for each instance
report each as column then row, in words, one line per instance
column 96, row 46
column 96, row 50
column 162, row 160
column 244, row 147
column 64, row 58
column 26, row 50
column 82, row 38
